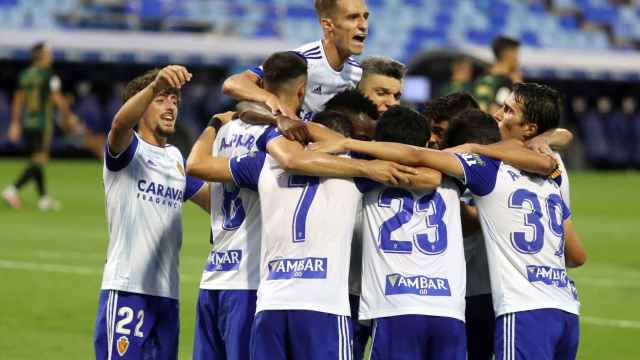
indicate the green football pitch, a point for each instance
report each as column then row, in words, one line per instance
column 51, row 264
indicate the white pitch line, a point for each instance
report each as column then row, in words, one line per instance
column 625, row 324
column 67, row 269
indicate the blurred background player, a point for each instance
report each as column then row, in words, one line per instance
column 39, row 90
column 145, row 186
column 441, row 110
column 461, row 76
column 491, row 89
column 331, row 67
column 382, row 80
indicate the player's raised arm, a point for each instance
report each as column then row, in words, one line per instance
column 121, row 133
column 574, row 253
column 201, row 163
column 514, row 153
column 247, row 86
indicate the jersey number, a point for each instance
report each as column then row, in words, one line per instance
column 232, row 210
column 432, row 241
column 533, row 220
column 127, row 312
column 309, row 185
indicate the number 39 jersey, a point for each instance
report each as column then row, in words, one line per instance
column 306, row 236
column 522, row 221
column 234, row 260
column 413, row 258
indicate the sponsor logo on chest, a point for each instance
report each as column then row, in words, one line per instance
column 304, row 268
column 224, row 260
column 159, row 194
column 397, row 284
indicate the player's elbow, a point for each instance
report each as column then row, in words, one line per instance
column 290, row 163
column 232, row 84
column 576, row 260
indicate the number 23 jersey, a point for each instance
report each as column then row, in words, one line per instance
column 413, row 258
column 522, row 219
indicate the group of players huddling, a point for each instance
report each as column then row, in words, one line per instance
column 332, row 221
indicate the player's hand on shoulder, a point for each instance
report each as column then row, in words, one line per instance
column 293, row 128
column 15, row 132
column 539, row 145
column 329, row 147
column 225, row 117
column 276, row 107
column 172, row 76
column 389, row 173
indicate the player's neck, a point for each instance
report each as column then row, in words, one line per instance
column 334, row 57
column 499, row 69
column 151, row 137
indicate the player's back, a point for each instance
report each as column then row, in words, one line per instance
column 235, row 218
column 413, row 253
column 522, row 221
column 307, row 225
column 144, row 190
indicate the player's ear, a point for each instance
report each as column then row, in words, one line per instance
column 530, row 130
column 327, row 25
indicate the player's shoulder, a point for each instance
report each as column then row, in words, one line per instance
column 314, row 47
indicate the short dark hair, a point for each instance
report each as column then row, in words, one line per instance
column 139, row 83
column 283, row 66
column 37, row 49
column 540, row 105
column 324, row 7
column 335, row 121
column 352, row 101
column 446, row 107
column 471, row 126
column 403, row 125
column 382, row 65
column 502, row 43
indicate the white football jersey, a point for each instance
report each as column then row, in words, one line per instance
column 323, row 82
column 475, row 254
column 145, row 187
column 413, row 258
column 306, row 236
column 234, row 260
column 522, row 219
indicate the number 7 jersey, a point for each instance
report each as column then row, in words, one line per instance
column 307, row 225
column 522, row 219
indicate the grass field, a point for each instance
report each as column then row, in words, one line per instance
column 51, row 265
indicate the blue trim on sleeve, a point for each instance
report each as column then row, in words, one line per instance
column 269, row 134
column 480, row 172
column 192, row 186
column 120, row 161
column 245, row 169
column 258, row 71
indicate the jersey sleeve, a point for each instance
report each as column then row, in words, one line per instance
column 192, row 186
column 480, row 172
column 117, row 162
column 245, row 169
column 269, row 134
column 258, row 71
